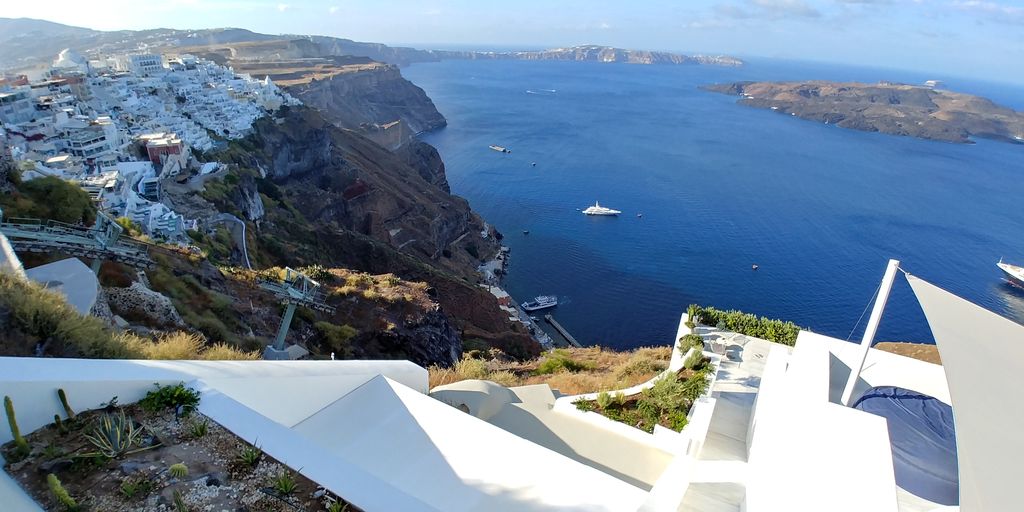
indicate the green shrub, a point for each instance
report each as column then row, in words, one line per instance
column 171, row 397
column 604, row 399
column 136, row 487
column 694, row 361
column 50, row 198
column 585, row 405
column 337, row 337
column 689, row 341
column 558, row 361
column 745, row 323
column 60, row 493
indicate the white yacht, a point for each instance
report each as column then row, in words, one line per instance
column 1014, row 273
column 597, row 209
column 541, row 302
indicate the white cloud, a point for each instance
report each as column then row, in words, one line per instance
column 283, row 7
column 604, row 25
column 332, row 9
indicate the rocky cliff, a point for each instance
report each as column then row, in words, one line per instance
column 334, row 198
column 369, row 97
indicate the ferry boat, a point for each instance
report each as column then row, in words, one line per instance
column 1014, row 273
column 541, row 302
column 597, row 209
column 500, row 149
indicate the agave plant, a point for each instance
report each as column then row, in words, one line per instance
column 115, row 435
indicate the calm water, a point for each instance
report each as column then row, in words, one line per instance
column 720, row 186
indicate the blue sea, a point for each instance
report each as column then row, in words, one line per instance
column 721, row 187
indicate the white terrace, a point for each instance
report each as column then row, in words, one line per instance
column 774, row 432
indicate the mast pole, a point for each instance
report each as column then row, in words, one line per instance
column 871, row 329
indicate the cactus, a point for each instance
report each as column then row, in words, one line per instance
column 21, row 446
column 178, row 470
column 64, row 401
column 61, row 427
column 60, row 493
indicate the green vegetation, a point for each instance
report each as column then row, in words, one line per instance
column 179, row 502
column 666, row 403
column 61, row 494
column 50, row 198
column 337, row 337
column 690, row 341
column 115, row 435
column 64, row 402
column 284, row 484
column 171, row 398
column 136, row 487
column 37, row 315
column 559, row 360
column 21, row 448
column 694, row 361
column 178, row 470
column 59, row 424
column 748, row 324
column 249, row 456
column 198, row 429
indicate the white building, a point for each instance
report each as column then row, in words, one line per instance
column 17, row 106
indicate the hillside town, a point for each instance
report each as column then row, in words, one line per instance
column 124, row 125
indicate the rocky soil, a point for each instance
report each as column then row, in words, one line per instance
column 216, row 480
column 896, row 109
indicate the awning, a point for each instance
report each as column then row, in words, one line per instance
column 983, row 357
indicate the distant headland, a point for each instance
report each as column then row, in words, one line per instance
column 595, row 53
column 898, row 109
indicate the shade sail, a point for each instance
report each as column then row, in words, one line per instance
column 983, row 357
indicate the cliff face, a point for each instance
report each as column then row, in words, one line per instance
column 370, row 98
column 334, row 198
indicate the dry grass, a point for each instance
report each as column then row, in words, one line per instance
column 604, row 369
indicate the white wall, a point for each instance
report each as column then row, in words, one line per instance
column 32, row 383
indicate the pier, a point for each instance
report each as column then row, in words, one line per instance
column 561, row 330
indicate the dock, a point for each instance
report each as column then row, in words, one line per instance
column 561, row 330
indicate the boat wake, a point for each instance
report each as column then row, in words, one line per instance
column 546, row 92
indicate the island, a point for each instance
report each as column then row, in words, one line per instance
column 596, row 53
column 897, row 109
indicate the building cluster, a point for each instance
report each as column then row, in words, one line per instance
column 121, row 125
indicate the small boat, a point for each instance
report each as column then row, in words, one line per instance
column 1014, row 273
column 533, row 164
column 597, row 209
column 500, row 149
column 639, row 215
column 540, row 302
column 754, row 267
column 526, row 231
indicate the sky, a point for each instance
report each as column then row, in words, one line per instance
column 978, row 39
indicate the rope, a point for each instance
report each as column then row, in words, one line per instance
column 862, row 313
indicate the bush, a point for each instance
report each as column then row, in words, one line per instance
column 559, row 361
column 694, row 361
column 50, row 198
column 337, row 337
column 640, row 365
column 774, row 330
column 170, row 397
column 689, row 341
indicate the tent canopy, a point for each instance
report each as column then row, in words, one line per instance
column 983, row 357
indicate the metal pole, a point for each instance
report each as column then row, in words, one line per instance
column 871, row 328
column 286, row 322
